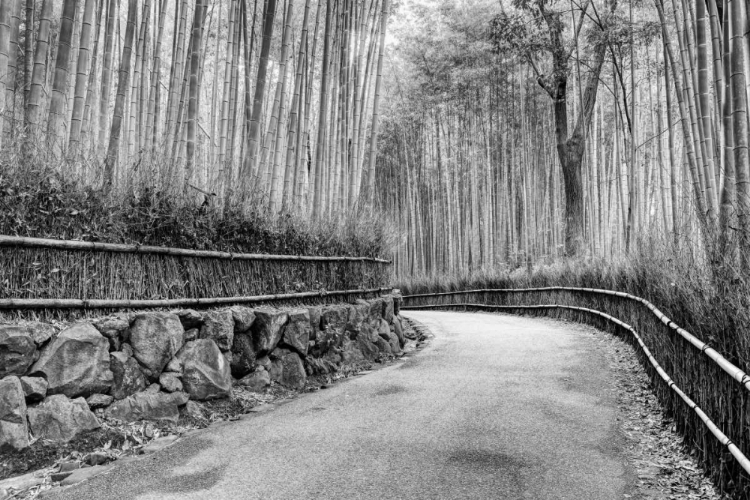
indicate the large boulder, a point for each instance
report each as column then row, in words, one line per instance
column 17, row 350
column 334, row 317
column 14, row 432
column 298, row 330
column 377, row 307
column 76, row 363
column 287, row 369
column 398, row 301
column 156, row 337
column 219, row 327
column 243, row 318
column 243, row 355
column 358, row 318
column 267, row 329
column 127, row 376
column 34, row 388
column 205, row 371
column 113, row 327
column 148, row 406
column 61, row 419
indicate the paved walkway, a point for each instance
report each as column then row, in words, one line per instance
column 496, row 407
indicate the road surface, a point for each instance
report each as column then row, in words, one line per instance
column 496, row 407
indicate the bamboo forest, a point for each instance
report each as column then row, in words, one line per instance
column 583, row 160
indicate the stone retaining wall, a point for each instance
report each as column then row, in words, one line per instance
column 149, row 365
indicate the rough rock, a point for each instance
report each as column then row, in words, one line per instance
column 41, row 332
column 264, row 361
column 219, row 327
column 328, row 339
column 206, row 373
column 367, row 348
column 334, row 318
column 14, row 433
column 34, row 388
column 76, row 363
column 170, row 382
column 113, row 327
column 256, row 381
column 243, row 359
column 297, row 331
column 17, row 350
column 315, row 313
column 358, row 318
column 174, row 366
column 351, row 352
column 148, row 406
column 399, row 331
column 377, row 306
column 267, row 329
column 97, row 458
column 190, row 318
column 61, row 419
column 153, row 388
column 398, row 301
column 194, row 409
column 99, row 401
column 288, row 369
column 192, row 334
column 384, row 346
column 384, row 330
column 156, row 337
column 127, row 350
column 388, row 308
column 243, row 318
column 127, row 376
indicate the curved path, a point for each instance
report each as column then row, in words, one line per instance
column 496, row 407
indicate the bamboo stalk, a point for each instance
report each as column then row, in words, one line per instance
column 20, row 241
column 189, row 302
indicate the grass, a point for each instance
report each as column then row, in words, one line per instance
column 44, row 202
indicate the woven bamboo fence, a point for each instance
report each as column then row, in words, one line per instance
column 704, row 392
column 54, row 269
column 52, row 275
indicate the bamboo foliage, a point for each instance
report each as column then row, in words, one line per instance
column 191, row 104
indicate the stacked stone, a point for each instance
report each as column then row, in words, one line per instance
column 149, row 365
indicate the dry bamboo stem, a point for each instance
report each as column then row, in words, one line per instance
column 145, row 304
column 19, row 241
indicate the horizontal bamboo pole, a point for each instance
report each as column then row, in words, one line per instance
column 20, row 241
column 733, row 371
column 144, row 304
column 720, row 436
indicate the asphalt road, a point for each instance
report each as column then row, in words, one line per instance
column 496, row 407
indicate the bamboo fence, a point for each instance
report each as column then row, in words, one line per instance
column 701, row 378
column 57, row 270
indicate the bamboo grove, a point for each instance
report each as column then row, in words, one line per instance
column 539, row 129
column 274, row 102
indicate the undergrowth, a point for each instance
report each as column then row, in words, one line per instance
column 41, row 202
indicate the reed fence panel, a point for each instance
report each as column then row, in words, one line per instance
column 32, row 268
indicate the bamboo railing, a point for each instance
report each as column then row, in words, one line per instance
column 708, row 383
column 73, row 274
